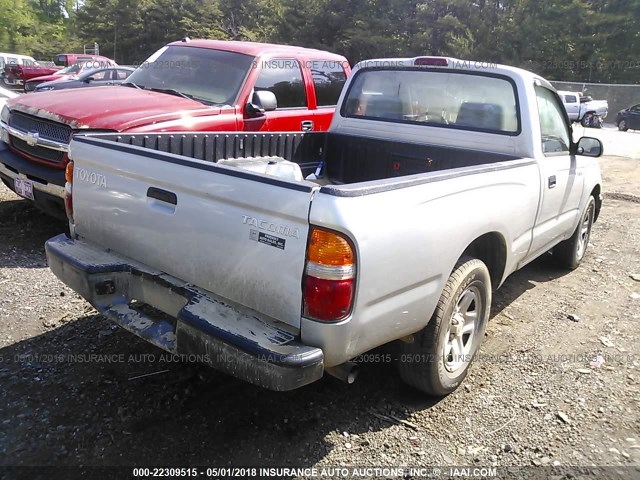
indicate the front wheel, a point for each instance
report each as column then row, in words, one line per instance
column 438, row 359
column 622, row 126
column 570, row 252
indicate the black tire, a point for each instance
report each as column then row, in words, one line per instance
column 423, row 364
column 596, row 121
column 622, row 126
column 586, row 120
column 569, row 253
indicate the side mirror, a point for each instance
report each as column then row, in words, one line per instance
column 262, row 101
column 89, row 79
column 589, row 147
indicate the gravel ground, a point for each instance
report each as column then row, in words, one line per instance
column 557, row 382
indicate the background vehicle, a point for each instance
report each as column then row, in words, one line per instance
column 15, row 60
column 20, row 74
column 407, row 224
column 194, row 86
column 629, row 118
column 68, row 59
column 6, row 94
column 583, row 109
column 69, row 72
column 100, row 77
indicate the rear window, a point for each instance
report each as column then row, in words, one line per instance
column 328, row 79
column 438, row 98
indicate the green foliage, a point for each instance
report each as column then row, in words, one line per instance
column 595, row 40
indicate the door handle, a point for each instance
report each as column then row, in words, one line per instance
column 552, row 181
column 306, row 125
column 162, row 195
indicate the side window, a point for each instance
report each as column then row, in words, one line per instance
column 101, row 75
column 328, row 80
column 570, row 98
column 555, row 133
column 122, row 74
column 635, row 108
column 12, row 60
column 283, row 77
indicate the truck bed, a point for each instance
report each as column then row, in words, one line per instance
column 346, row 159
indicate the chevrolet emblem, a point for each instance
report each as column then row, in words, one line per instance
column 32, row 138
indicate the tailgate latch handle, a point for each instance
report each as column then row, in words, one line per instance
column 162, row 195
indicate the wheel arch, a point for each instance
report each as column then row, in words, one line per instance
column 491, row 248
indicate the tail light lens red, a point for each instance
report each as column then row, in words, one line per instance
column 68, row 190
column 329, row 276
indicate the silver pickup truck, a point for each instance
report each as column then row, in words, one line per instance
column 437, row 179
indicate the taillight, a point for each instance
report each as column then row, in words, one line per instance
column 68, row 190
column 329, row 277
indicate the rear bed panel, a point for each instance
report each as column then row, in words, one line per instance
column 239, row 235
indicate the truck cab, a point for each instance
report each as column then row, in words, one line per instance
column 571, row 101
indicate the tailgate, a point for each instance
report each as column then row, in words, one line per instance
column 237, row 234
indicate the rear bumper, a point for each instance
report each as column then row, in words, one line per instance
column 190, row 321
column 11, row 80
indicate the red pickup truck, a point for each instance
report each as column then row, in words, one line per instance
column 17, row 74
column 186, row 86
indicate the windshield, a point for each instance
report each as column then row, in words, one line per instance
column 436, row 98
column 210, row 76
column 73, row 69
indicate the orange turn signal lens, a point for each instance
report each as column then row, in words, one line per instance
column 68, row 172
column 328, row 248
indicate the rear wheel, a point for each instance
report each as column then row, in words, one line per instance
column 570, row 253
column 439, row 358
column 622, row 126
column 587, row 119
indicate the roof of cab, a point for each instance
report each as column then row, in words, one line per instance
column 255, row 48
column 454, row 64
